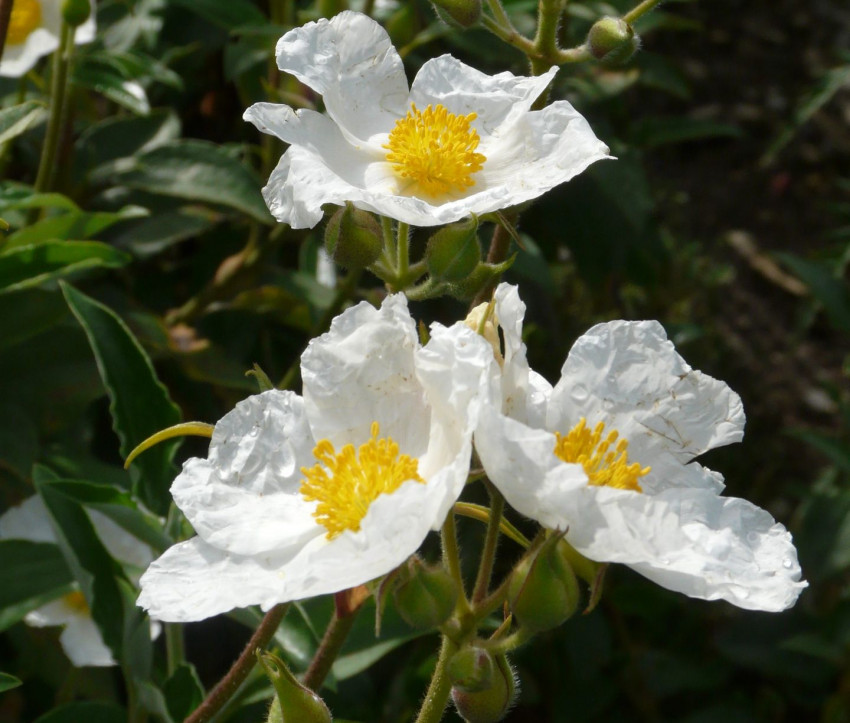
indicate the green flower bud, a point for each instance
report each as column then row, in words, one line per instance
column 353, row 238
column 472, row 669
column 453, row 252
column 543, row 591
column 425, row 596
column 293, row 703
column 481, row 276
column 493, row 703
column 76, row 12
column 612, row 40
column 458, row 13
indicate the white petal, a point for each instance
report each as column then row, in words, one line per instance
column 520, row 462
column 194, row 581
column 510, row 312
column 352, row 63
column 692, row 541
column 83, row 644
column 496, row 99
column 362, row 371
column 28, row 521
column 628, row 375
column 123, row 546
column 245, row 497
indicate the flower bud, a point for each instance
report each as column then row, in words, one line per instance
column 483, row 275
column 76, row 12
column 612, row 40
column 491, row 704
column 472, row 669
column 425, row 596
column 462, row 13
column 453, row 252
column 543, row 591
column 353, row 238
column 293, row 702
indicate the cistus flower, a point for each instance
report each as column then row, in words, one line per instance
column 607, row 455
column 456, row 142
column 34, row 29
column 81, row 640
column 304, row 496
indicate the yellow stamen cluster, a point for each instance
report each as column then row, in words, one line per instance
column 605, row 460
column 26, row 17
column 76, row 599
column 346, row 483
column 435, row 149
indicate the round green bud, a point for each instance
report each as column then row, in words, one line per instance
column 425, row 595
column 543, row 591
column 458, row 13
column 453, row 252
column 353, row 238
column 492, row 703
column 293, row 701
column 471, row 669
column 612, row 40
column 76, row 12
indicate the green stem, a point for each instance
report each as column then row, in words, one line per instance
column 508, row 35
column 451, row 559
column 389, row 241
column 403, row 247
column 58, row 94
column 437, row 696
column 328, row 651
column 641, row 10
column 175, row 652
column 491, row 540
column 226, row 688
column 546, row 39
column 500, row 244
column 500, row 15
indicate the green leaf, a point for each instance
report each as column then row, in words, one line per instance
column 23, row 197
column 7, row 682
column 120, row 507
column 198, row 171
column 183, row 691
column 90, row 712
column 835, row 450
column 104, row 78
column 94, row 569
column 32, row 574
column 140, row 404
column 651, row 132
column 29, row 266
column 158, row 232
column 833, row 293
column 227, row 14
column 20, row 118
column 70, row 226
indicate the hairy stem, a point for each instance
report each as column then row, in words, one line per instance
column 437, row 696
column 491, row 540
column 328, row 651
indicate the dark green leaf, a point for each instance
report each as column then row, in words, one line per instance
column 652, row 132
column 88, row 712
column 183, row 691
column 227, row 14
column 29, row 266
column 107, row 80
column 7, row 682
column 32, row 574
column 837, row 451
column 153, row 235
column 198, row 171
column 832, row 292
column 20, row 118
column 140, row 404
column 68, row 226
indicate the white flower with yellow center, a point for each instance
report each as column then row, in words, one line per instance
column 608, row 455
column 34, row 32
column 81, row 640
column 456, row 142
column 304, row 496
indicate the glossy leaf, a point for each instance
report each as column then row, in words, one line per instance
column 7, row 682
column 20, row 118
column 89, row 711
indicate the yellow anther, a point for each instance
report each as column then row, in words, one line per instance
column 435, row 149
column 605, row 459
column 76, row 599
column 26, row 17
column 346, row 483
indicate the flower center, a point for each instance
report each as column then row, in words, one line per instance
column 76, row 599
column 346, row 483
column 26, row 17
column 605, row 460
column 435, row 149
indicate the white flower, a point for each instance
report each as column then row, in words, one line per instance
column 81, row 640
column 34, row 32
column 457, row 142
column 304, row 496
column 642, row 500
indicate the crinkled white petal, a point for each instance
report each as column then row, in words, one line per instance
column 362, row 371
column 245, row 497
column 629, row 376
column 352, row 63
column 81, row 639
column 19, row 58
column 498, row 100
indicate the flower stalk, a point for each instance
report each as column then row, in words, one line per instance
column 332, row 642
